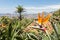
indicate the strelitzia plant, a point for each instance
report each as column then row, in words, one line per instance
column 42, row 24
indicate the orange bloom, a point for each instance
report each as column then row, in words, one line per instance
column 39, row 19
column 42, row 19
column 46, row 19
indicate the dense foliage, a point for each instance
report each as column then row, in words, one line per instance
column 12, row 29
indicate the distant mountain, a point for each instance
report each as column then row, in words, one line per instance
column 34, row 15
column 25, row 15
column 8, row 14
column 30, row 15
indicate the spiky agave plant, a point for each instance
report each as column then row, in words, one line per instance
column 8, row 32
column 14, row 30
column 56, row 30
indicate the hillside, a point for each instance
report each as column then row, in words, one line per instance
column 56, row 16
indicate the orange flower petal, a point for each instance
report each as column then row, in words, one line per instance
column 42, row 17
column 46, row 18
column 39, row 18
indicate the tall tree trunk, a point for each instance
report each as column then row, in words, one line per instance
column 20, row 17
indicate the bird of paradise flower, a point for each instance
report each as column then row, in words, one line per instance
column 43, row 20
column 42, row 23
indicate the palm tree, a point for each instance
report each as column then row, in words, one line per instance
column 20, row 10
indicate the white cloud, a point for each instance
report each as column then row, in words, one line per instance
column 7, row 10
column 44, row 8
column 32, row 9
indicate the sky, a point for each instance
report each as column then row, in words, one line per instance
column 30, row 6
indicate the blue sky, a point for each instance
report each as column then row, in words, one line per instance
column 9, row 6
